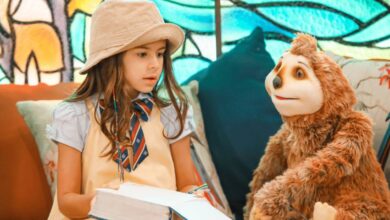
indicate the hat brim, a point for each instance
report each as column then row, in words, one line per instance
column 170, row 32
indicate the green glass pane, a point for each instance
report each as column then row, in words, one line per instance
column 239, row 22
column 322, row 23
column 364, row 10
column 198, row 19
column 194, row 3
column 276, row 48
column 379, row 29
column 354, row 51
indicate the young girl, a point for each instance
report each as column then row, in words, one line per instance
column 116, row 126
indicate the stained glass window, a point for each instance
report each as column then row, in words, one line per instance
column 353, row 28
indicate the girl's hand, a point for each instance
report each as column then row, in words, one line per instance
column 204, row 193
column 193, row 190
column 93, row 200
column 111, row 185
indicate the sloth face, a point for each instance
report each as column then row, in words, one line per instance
column 293, row 86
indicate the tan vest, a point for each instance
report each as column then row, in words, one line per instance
column 156, row 170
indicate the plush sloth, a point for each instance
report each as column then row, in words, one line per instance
column 321, row 163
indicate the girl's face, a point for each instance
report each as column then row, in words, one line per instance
column 142, row 67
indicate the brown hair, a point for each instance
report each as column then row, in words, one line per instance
column 107, row 77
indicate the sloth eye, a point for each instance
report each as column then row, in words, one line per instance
column 299, row 74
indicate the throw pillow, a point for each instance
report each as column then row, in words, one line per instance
column 37, row 114
column 371, row 81
column 239, row 116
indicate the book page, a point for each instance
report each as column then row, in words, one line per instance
column 199, row 209
column 111, row 204
column 185, row 205
column 154, row 195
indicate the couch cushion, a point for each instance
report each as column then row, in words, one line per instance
column 238, row 114
column 191, row 90
column 371, row 82
column 24, row 190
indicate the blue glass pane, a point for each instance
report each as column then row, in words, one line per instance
column 185, row 67
column 379, row 29
column 195, row 19
column 197, row 3
column 238, row 23
column 3, row 78
column 200, row 3
column 364, row 10
column 77, row 35
column 322, row 23
column 276, row 48
column 227, row 48
column 206, row 44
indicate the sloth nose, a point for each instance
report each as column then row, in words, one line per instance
column 277, row 82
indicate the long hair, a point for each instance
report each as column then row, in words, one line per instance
column 107, row 78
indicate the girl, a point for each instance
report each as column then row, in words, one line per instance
column 116, row 119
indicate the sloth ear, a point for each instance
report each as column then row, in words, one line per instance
column 304, row 42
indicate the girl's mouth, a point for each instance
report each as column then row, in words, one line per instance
column 150, row 78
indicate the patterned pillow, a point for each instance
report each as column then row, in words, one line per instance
column 191, row 91
column 37, row 114
column 371, row 81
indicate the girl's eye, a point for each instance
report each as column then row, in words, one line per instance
column 160, row 54
column 143, row 54
column 299, row 74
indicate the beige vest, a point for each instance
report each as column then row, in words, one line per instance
column 156, row 170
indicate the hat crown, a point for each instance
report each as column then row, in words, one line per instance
column 118, row 25
column 116, row 22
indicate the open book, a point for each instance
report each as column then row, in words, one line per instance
column 134, row 201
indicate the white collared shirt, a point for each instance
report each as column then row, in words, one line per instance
column 71, row 123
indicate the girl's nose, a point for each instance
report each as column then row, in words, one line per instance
column 154, row 61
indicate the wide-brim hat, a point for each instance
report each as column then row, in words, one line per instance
column 119, row 25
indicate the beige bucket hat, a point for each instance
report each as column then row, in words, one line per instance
column 118, row 25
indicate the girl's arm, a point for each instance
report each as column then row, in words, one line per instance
column 186, row 178
column 71, row 203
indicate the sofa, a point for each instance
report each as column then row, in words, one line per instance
column 28, row 159
column 24, row 189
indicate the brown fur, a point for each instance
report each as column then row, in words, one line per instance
column 326, row 156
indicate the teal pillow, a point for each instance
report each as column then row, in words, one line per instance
column 238, row 114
